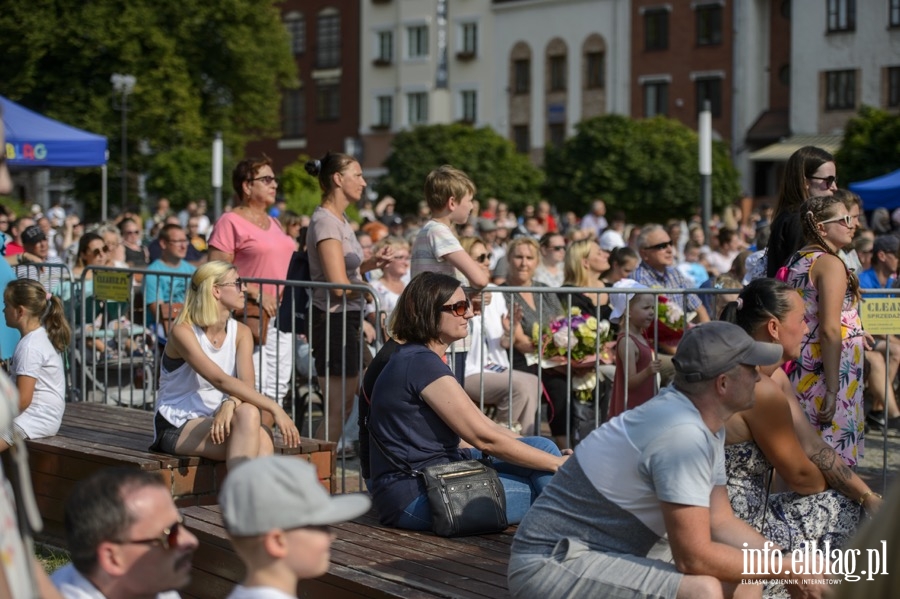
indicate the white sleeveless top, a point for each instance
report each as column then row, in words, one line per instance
column 183, row 394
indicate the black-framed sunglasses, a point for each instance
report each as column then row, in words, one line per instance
column 846, row 219
column 266, row 179
column 659, row 246
column 458, row 309
column 482, row 258
column 102, row 250
column 829, row 180
column 238, row 284
column 167, row 539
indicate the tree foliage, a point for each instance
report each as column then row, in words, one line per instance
column 647, row 168
column 301, row 191
column 871, row 145
column 201, row 67
column 490, row 160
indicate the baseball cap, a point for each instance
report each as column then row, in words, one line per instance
column 709, row 349
column 889, row 244
column 619, row 301
column 280, row 491
column 33, row 234
column 486, row 225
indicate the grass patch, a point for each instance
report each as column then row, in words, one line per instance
column 51, row 558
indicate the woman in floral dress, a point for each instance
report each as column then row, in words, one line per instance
column 827, row 378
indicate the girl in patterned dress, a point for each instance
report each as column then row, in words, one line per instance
column 827, row 378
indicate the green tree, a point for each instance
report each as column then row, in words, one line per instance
column 201, row 67
column 647, row 168
column 301, row 191
column 870, row 146
column 488, row 158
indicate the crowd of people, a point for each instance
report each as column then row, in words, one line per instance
column 765, row 381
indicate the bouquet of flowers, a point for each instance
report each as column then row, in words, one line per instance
column 671, row 320
column 576, row 338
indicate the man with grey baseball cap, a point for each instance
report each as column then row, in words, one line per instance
column 277, row 514
column 641, row 509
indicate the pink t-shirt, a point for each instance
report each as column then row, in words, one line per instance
column 258, row 254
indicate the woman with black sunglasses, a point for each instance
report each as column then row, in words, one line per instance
column 206, row 405
column 422, row 416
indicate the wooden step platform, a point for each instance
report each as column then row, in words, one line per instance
column 95, row 436
column 367, row 560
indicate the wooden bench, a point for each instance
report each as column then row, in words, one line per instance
column 95, row 436
column 367, row 560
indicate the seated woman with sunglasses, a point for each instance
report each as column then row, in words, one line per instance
column 422, row 416
column 206, row 405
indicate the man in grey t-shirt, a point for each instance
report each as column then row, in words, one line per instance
column 641, row 510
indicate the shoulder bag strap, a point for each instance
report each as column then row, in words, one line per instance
column 394, row 460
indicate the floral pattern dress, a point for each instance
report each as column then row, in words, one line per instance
column 807, row 374
column 791, row 519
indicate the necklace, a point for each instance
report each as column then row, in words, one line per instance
column 217, row 338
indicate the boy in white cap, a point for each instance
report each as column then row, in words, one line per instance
column 277, row 515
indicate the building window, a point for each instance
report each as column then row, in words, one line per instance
column 417, row 108
column 656, row 29
column 521, row 138
column 594, row 77
column 296, row 28
column 840, row 90
column 656, row 98
column 385, row 107
column 522, row 76
column 893, row 95
column 468, row 101
column 709, row 25
column 894, row 14
column 557, row 73
column 709, row 89
column 841, row 15
column 385, row 50
column 417, row 38
column 293, row 113
column 469, row 39
column 557, row 134
column 328, row 102
column 328, row 41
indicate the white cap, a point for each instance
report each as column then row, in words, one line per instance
column 619, row 301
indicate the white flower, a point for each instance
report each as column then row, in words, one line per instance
column 603, row 328
column 564, row 339
column 673, row 312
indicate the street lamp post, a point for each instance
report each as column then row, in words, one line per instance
column 124, row 84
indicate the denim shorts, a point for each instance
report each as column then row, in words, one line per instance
column 167, row 435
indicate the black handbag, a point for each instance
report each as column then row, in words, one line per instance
column 466, row 497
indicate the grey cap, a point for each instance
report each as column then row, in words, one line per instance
column 712, row 348
column 282, row 492
column 486, row 225
column 889, row 244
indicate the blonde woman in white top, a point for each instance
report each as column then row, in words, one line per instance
column 207, row 405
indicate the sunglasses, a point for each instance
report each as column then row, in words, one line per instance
column 482, row 258
column 266, row 179
column 458, row 309
column 168, row 539
column 238, row 283
column 97, row 251
column 846, row 219
column 557, row 248
column 829, row 180
column 659, row 246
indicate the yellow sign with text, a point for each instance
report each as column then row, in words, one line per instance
column 881, row 316
column 112, row 286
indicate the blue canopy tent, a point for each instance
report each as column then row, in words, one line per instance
column 880, row 192
column 36, row 141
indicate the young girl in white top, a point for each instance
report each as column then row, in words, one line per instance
column 206, row 405
column 37, row 366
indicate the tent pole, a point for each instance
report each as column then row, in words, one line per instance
column 103, row 194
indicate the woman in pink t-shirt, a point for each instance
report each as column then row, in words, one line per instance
column 254, row 242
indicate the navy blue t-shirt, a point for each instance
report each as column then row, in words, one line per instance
column 408, row 427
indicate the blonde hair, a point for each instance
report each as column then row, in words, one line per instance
column 392, row 241
column 199, row 304
column 31, row 295
column 468, row 243
column 446, row 182
column 523, row 240
column 576, row 274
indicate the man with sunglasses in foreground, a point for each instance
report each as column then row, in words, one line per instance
column 126, row 539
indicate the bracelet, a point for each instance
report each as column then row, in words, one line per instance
column 862, row 498
column 227, row 399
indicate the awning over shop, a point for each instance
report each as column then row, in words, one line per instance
column 781, row 151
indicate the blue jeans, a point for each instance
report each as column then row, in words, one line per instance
column 521, row 485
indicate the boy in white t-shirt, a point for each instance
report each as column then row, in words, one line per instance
column 449, row 193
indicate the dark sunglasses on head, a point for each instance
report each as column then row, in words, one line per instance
column 168, row 539
column 829, row 180
column 459, row 308
column 482, row 258
column 659, row 246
